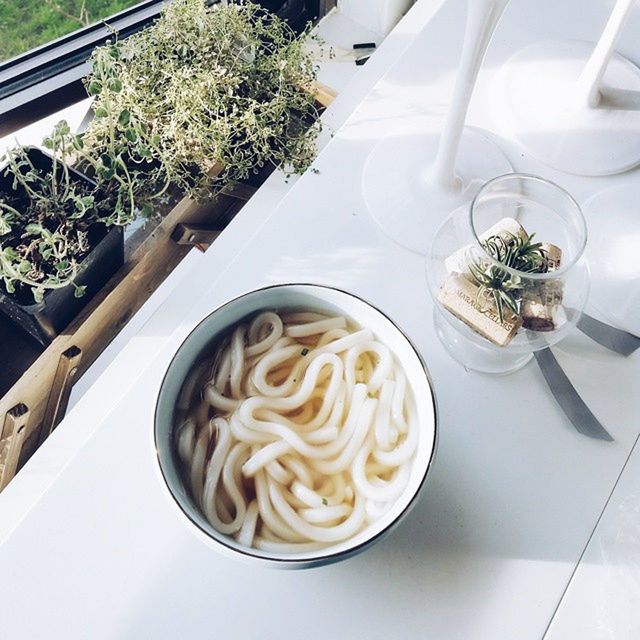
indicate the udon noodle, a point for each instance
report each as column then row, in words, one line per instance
column 295, row 435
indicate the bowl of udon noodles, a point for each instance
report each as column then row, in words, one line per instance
column 295, row 426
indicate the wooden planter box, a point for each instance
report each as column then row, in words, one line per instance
column 37, row 401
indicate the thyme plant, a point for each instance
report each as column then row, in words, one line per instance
column 204, row 97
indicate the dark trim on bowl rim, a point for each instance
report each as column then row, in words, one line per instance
column 321, row 559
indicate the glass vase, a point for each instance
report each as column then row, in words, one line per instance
column 508, row 273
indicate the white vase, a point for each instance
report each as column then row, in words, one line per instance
column 379, row 16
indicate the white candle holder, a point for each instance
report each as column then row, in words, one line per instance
column 573, row 106
column 411, row 175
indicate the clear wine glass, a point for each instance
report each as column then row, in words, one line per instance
column 508, row 273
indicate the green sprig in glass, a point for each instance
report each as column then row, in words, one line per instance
column 519, row 253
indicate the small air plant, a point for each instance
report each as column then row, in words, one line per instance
column 498, row 285
column 517, row 252
column 503, row 287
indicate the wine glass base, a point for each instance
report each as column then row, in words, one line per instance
column 476, row 357
column 537, row 102
column 612, row 216
column 398, row 192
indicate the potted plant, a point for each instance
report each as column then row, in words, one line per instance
column 204, row 97
column 55, row 253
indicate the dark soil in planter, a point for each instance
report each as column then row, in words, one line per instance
column 46, row 319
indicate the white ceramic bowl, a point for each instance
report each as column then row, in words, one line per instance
column 313, row 298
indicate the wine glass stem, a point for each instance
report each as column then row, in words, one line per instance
column 482, row 18
column 591, row 77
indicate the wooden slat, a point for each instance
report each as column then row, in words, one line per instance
column 239, row 190
column 200, row 236
column 12, row 438
column 60, row 391
column 323, row 94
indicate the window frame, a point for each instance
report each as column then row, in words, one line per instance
column 52, row 66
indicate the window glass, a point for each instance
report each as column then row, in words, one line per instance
column 25, row 24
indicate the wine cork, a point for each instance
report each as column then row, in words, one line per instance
column 541, row 307
column 460, row 297
column 506, row 228
column 553, row 255
column 537, row 316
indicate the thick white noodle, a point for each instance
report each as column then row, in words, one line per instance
column 186, row 440
column 189, row 387
column 386, row 435
column 264, row 456
column 198, row 462
column 273, row 321
column 299, row 469
column 311, row 440
column 213, row 396
column 247, row 533
column 314, row 328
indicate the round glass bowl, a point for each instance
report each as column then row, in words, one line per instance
column 206, row 336
column 491, row 317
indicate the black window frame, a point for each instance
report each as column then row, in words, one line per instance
column 49, row 77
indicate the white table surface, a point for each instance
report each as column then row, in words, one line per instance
column 514, row 496
column 602, row 601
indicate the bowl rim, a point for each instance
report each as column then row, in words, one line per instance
column 325, row 558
